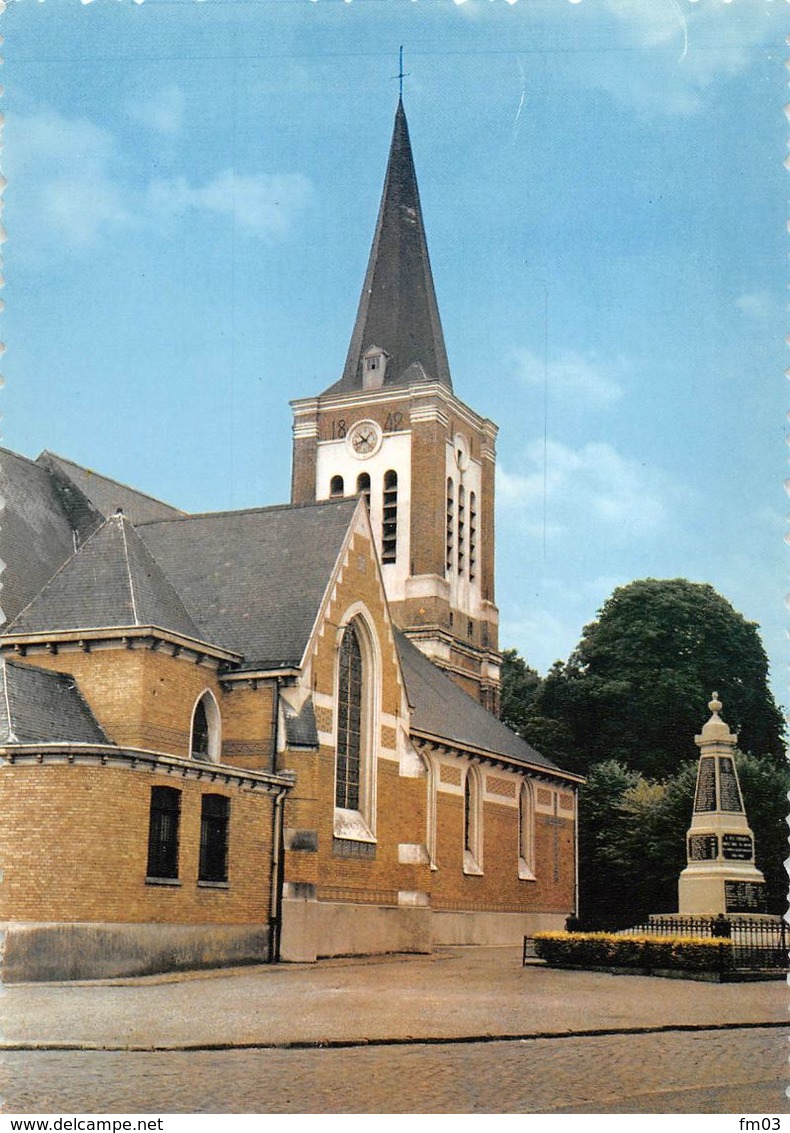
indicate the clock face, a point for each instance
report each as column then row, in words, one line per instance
column 364, row 439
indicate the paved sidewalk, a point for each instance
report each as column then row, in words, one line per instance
column 454, row 994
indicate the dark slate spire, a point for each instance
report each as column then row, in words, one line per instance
column 398, row 314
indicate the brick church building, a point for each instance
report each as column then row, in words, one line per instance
column 272, row 734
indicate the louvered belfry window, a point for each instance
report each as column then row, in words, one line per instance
column 349, row 722
column 389, row 524
column 214, row 821
column 163, row 832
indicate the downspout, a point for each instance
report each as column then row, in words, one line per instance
column 276, row 897
column 275, row 919
column 576, row 854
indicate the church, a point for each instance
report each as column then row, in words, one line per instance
column 271, row 734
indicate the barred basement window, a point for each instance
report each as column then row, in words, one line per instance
column 163, row 832
column 349, row 723
column 450, row 524
column 214, row 822
column 461, row 527
column 336, row 487
column 389, row 524
column 472, row 536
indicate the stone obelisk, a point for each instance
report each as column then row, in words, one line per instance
column 720, row 876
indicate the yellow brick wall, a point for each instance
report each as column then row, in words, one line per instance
column 74, row 847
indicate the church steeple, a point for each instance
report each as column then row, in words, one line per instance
column 398, row 314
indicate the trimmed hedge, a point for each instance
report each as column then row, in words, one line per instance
column 607, row 949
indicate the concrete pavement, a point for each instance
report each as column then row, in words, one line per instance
column 453, row 995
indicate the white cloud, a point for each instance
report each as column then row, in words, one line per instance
column 162, row 111
column 590, row 492
column 64, row 172
column 571, row 375
column 759, row 305
column 686, row 48
column 265, row 204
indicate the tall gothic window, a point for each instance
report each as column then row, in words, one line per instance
column 461, row 528
column 473, row 822
column 389, row 520
column 214, row 821
column 349, row 722
column 163, row 833
column 526, row 835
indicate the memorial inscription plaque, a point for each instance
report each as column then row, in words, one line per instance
column 729, row 795
column 703, row 847
column 744, row 897
column 706, row 785
column 737, row 847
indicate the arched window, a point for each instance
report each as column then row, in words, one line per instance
column 472, row 536
column 526, row 834
column 350, row 723
column 204, row 742
column 336, row 487
column 389, row 519
column 473, row 822
column 450, row 525
column 363, row 486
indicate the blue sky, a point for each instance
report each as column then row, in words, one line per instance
column 192, row 195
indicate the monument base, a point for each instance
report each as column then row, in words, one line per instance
column 712, row 889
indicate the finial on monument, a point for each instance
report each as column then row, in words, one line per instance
column 715, row 704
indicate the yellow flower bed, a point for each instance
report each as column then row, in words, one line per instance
column 609, row 949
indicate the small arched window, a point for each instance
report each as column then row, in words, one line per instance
column 363, row 486
column 204, row 742
column 389, row 518
column 336, row 487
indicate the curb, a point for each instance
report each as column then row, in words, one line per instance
column 409, row 1040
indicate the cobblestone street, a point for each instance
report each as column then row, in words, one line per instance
column 463, row 1030
column 700, row 1072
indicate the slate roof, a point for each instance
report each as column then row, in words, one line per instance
column 398, row 311
column 37, row 706
column 36, row 536
column 106, row 495
column 253, row 580
column 112, row 580
column 441, row 709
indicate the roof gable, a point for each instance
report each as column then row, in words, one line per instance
column 254, row 580
column 112, row 580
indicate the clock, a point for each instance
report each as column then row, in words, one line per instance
column 364, row 439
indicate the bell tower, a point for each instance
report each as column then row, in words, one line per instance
column 392, row 429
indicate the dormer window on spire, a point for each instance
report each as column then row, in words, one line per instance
column 374, row 367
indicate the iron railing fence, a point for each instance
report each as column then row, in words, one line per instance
column 758, row 943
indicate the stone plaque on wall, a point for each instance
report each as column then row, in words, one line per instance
column 744, row 896
column 729, row 796
column 703, row 847
column 737, row 847
column 706, row 785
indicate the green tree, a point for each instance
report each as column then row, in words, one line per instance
column 636, row 686
column 520, row 684
column 765, row 789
